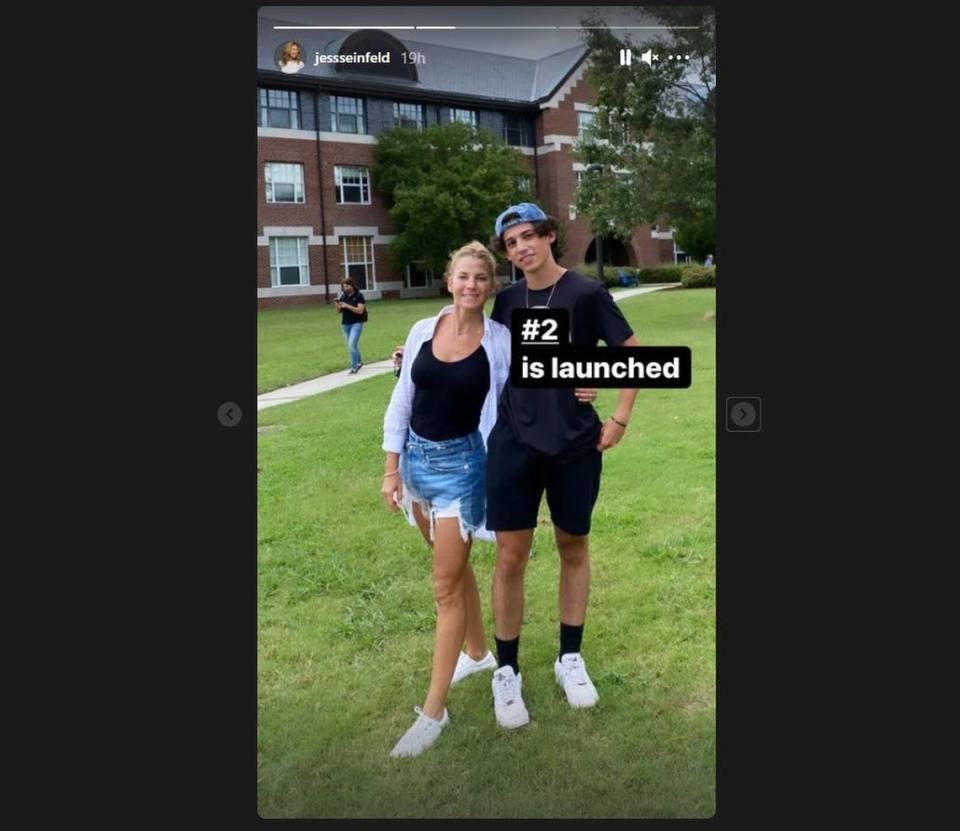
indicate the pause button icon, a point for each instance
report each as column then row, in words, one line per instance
column 625, row 57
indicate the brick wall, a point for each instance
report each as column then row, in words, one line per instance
column 308, row 215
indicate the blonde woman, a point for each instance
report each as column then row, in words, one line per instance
column 441, row 411
column 291, row 59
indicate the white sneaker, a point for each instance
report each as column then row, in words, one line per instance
column 571, row 674
column 507, row 699
column 466, row 666
column 418, row 738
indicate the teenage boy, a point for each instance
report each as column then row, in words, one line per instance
column 545, row 439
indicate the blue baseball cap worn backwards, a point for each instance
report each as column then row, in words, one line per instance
column 526, row 212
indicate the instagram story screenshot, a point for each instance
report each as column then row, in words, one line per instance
column 487, row 411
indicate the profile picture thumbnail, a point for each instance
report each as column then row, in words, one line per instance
column 290, row 58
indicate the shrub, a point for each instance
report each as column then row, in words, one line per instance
column 666, row 273
column 587, row 270
column 611, row 273
column 698, row 277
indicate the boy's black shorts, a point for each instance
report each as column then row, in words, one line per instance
column 517, row 477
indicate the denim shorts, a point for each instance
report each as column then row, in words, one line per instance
column 446, row 479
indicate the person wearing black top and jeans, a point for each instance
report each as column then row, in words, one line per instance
column 547, row 440
column 353, row 314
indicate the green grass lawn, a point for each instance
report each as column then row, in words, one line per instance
column 302, row 342
column 346, row 616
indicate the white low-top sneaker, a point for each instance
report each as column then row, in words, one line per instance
column 466, row 666
column 418, row 738
column 507, row 699
column 571, row 674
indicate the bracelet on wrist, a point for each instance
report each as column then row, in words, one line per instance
column 624, row 426
column 391, row 473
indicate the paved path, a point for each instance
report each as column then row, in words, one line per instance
column 295, row 392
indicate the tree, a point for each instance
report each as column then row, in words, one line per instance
column 696, row 238
column 655, row 131
column 444, row 186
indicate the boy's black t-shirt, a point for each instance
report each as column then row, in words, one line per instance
column 346, row 316
column 551, row 421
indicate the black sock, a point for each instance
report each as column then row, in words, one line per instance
column 507, row 653
column 570, row 637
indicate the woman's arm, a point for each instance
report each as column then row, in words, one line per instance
column 396, row 421
column 396, row 424
column 392, row 489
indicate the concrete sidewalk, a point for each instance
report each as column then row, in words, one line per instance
column 295, row 392
column 304, row 389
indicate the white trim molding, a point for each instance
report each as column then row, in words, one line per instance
column 348, row 138
column 360, row 231
column 557, row 98
column 550, row 148
column 661, row 234
column 292, row 291
column 580, row 107
column 287, row 231
column 311, row 135
column 559, row 139
column 332, row 239
column 283, row 132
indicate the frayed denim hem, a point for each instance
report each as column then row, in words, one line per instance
column 433, row 513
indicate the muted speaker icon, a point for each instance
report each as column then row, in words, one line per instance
column 626, row 57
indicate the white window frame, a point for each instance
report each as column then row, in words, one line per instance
column 290, row 95
column 303, row 262
column 360, row 115
column 421, row 118
column 364, row 185
column 270, row 171
column 345, row 262
column 454, row 111
column 581, row 117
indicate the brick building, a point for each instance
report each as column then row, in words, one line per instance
column 318, row 218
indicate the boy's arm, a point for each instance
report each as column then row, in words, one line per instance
column 611, row 432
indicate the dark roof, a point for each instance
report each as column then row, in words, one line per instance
column 447, row 70
column 554, row 69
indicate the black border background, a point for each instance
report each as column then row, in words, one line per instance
column 197, row 735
